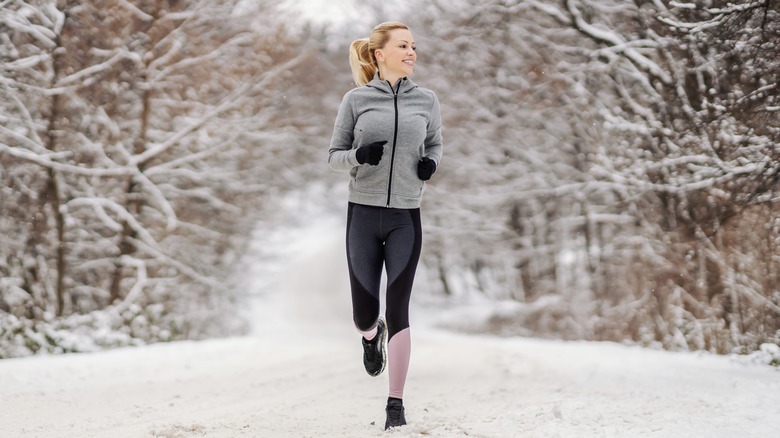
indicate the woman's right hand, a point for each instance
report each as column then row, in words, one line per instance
column 371, row 153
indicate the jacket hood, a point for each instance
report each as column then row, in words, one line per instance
column 406, row 84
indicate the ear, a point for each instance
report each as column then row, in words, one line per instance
column 379, row 55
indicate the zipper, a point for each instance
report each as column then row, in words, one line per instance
column 395, row 138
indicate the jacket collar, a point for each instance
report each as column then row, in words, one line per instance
column 406, row 85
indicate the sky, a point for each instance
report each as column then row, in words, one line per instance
column 326, row 11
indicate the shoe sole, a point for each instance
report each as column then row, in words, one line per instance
column 383, row 348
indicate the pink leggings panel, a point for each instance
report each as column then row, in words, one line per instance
column 399, row 350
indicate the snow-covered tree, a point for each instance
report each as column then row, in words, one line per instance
column 508, row 211
column 128, row 144
column 696, row 163
column 611, row 165
column 604, row 161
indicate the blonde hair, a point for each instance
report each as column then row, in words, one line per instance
column 362, row 60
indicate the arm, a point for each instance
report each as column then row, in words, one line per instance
column 433, row 147
column 433, row 139
column 341, row 155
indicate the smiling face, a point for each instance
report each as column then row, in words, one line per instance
column 397, row 58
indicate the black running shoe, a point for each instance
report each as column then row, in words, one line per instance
column 395, row 413
column 374, row 355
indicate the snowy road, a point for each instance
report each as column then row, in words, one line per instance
column 300, row 375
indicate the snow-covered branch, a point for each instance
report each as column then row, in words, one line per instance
column 25, row 63
column 140, row 281
column 141, row 15
column 158, row 198
column 185, row 63
column 19, row 23
column 92, row 70
column 229, row 102
column 47, row 161
column 617, row 43
column 121, row 212
column 164, row 167
column 184, row 269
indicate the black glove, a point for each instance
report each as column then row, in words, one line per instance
column 370, row 153
column 425, row 168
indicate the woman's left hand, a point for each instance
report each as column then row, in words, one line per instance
column 425, row 168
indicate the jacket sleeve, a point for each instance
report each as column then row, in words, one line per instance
column 433, row 139
column 341, row 155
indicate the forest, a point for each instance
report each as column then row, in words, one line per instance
column 613, row 167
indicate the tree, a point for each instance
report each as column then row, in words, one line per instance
column 131, row 131
column 518, row 133
column 609, row 156
column 698, row 120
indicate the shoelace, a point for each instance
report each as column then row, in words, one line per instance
column 371, row 349
column 372, row 344
column 394, row 412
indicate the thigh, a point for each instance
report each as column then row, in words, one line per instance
column 403, row 242
column 402, row 253
column 365, row 250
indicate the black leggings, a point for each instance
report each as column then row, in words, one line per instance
column 377, row 237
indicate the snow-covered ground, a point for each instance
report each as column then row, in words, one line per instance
column 300, row 375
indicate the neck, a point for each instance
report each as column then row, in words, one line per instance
column 385, row 76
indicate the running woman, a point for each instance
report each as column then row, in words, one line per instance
column 388, row 136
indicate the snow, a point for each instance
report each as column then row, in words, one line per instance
column 299, row 374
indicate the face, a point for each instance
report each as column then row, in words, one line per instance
column 398, row 56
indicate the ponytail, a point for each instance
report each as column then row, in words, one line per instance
column 361, row 52
column 362, row 62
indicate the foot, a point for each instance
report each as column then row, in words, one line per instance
column 374, row 351
column 395, row 413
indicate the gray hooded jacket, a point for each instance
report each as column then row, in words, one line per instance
column 404, row 115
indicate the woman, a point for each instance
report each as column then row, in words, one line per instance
column 388, row 136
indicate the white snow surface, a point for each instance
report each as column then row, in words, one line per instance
column 300, row 374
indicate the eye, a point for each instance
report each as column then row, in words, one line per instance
column 414, row 48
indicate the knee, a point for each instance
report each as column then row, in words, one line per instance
column 365, row 322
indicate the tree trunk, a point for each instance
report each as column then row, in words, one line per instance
column 53, row 191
